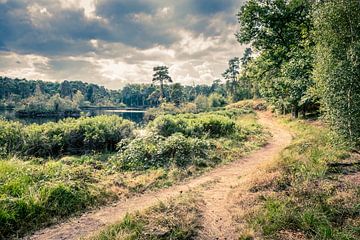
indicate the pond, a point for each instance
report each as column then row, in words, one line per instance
column 133, row 115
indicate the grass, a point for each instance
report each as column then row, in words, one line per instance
column 309, row 194
column 32, row 195
column 178, row 218
column 37, row 192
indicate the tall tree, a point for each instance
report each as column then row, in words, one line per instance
column 231, row 75
column 176, row 94
column 280, row 31
column 161, row 75
column 246, row 57
column 337, row 69
column 66, row 90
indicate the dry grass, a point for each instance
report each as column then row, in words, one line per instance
column 310, row 192
column 178, row 218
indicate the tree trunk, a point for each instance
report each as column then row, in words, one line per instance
column 295, row 112
column 303, row 111
column 162, row 89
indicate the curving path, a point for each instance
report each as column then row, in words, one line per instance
column 217, row 217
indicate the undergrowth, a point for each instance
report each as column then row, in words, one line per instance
column 312, row 195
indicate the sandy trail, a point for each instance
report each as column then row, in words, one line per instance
column 217, row 217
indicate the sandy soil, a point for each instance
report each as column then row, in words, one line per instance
column 217, row 195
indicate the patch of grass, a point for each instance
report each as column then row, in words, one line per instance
column 32, row 195
column 306, row 199
column 176, row 219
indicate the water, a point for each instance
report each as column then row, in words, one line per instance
column 133, row 115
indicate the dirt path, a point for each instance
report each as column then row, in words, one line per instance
column 219, row 198
column 216, row 213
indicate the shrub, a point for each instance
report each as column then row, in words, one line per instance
column 202, row 102
column 188, row 108
column 69, row 136
column 258, row 105
column 76, row 136
column 156, row 151
column 194, row 125
column 216, row 100
column 10, row 137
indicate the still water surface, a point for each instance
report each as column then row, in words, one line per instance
column 133, row 115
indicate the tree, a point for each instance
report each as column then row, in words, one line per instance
column 337, row 68
column 176, row 94
column 66, row 90
column 202, row 102
column 246, row 57
column 246, row 90
column 280, row 31
column 161, row 75
column 231, row 75
column 78, row 99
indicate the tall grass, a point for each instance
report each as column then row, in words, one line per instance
column 309, row 198
column 69, row 136
column 32, row 195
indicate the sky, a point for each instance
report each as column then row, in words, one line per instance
column 115, row 42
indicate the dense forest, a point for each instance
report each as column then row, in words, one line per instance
column 13, row 91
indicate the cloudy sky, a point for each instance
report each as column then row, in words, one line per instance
column 114, row 42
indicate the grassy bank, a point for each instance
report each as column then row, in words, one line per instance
column 312, row 193
column 38, row 189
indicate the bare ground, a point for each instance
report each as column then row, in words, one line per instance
column 217, row 218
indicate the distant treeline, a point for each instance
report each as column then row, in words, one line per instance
column 14, row 91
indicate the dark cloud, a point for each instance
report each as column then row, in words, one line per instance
column 110, row 37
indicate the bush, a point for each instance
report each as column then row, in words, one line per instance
column 188, row 108
column 76, row 136
column 216, row 100
column 156, row 151
column 169, row 108
column 197, row 125
column 258, row 105
column 10, row 137
column 69, row 136
column 202, row 102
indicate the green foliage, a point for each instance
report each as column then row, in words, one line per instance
column 202, row 102
column 216, row 100
column 11, row 137
column 169, row 108
column 231, row 75
column 13, row 93
column 69, row 136
column 248, row 105
column 213, row 125
column 161, row 75
column 281, row 32
column 308, row 198
column 337, row 69
column 156, row 151
column 43, row 105
column 35, row 195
